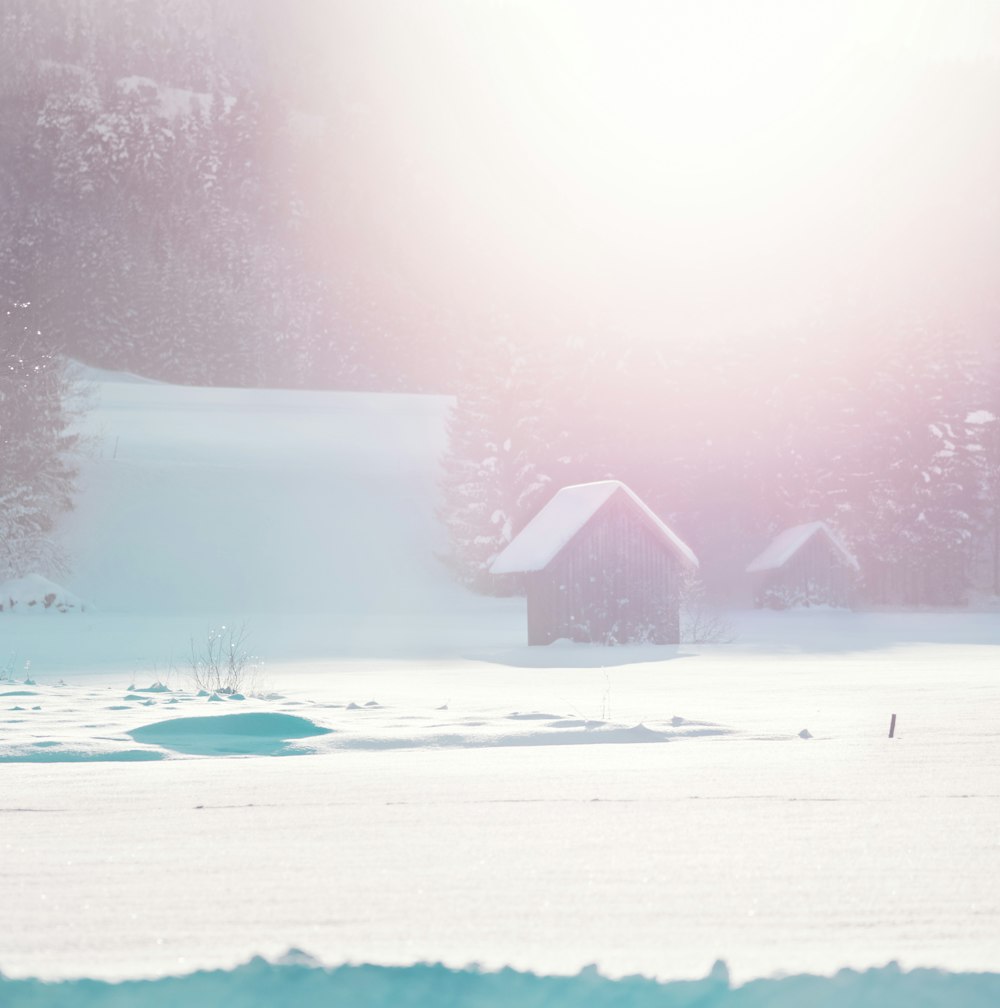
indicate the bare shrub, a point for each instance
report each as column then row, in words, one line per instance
column 701, row 622
column 223, row 663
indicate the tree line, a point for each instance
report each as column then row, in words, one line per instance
column 888, row 433
column 158, row 198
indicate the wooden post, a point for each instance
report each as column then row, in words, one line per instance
column 892, row 726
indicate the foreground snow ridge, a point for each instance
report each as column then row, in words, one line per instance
column 298, row 980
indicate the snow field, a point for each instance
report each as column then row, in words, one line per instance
column 774, row 853
column 465, row 816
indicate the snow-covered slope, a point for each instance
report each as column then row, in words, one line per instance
column 222, row 500
column 310, row 517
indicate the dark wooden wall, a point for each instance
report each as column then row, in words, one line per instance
column 909, row 582
column 616, row 582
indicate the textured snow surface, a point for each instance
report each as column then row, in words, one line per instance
column 69, row 723
column 441, row 820
column 786, row 544
column 296, row 981
column 541, row 540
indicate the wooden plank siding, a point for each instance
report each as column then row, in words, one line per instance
column 815, row 575
column 615, row 582
column 908, row 582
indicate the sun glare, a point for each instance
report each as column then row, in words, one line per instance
column 709, row 108
column 690, row 160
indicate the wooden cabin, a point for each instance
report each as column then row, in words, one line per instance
column 599, row 567
column 805, row 565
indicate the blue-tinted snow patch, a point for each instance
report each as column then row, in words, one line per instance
column 262, row 733
column 301, row 983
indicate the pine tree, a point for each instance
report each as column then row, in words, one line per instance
column 914, row 476
column 506, row 453
column 987, row 424
column 36, row 445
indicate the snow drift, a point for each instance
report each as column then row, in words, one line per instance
column 299, row 982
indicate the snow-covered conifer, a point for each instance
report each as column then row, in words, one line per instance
column 36, row 445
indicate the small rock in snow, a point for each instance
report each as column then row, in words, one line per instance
column 805, row 733
column 373, row 703
column 676, row 721
column 443, row 706
column 352, row 706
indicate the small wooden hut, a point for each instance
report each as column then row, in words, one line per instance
column 805, row 565
column 599, row 566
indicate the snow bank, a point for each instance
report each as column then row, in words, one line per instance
column 299, row 981
column 34, row 593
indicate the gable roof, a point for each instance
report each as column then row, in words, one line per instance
column 786, row 544
column 544, row 537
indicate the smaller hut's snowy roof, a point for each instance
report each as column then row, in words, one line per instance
column 786, row 544
column 541, row 540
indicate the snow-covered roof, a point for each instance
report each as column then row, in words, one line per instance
column 980, row 416
column 540, row 541
column 785, row 545
column 172, row 102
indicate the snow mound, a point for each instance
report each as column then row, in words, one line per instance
column 34, row 593
column 297, row 980
column 256, row 733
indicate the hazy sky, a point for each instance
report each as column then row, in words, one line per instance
column 678, row 165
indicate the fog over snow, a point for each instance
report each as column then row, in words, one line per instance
column 322, row 323
column 445, row 793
